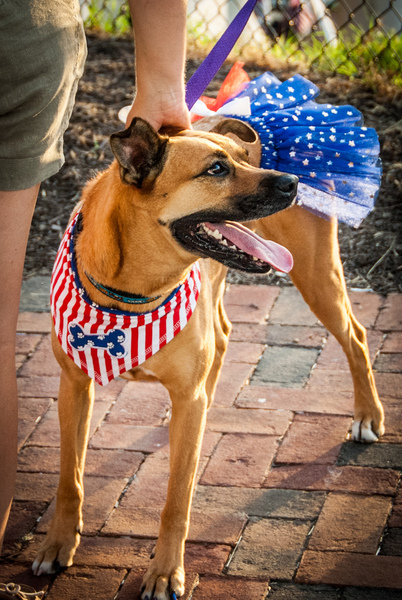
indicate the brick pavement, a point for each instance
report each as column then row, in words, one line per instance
column 285, row 507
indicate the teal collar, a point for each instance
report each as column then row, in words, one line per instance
column 120, row 295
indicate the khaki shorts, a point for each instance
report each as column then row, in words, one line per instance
column 42, row 55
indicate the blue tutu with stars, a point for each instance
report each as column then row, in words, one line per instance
column 335, row 158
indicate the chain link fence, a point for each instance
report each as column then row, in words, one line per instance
column 345, row 36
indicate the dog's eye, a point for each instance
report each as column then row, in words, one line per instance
column 218, row 168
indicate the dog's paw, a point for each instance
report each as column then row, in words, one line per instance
column 159, row 586
column 365, row 430
column 54, row 555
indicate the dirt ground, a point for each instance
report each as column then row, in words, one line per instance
column 371, row 254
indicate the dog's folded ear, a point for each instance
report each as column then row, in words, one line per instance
column 140, row 152
column 237, row 130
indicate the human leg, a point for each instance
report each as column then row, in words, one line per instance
column 16, row 209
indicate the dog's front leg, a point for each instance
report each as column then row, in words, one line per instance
column 75, row 402
column 166, row 572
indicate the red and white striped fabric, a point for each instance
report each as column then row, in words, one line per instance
column 104, row 342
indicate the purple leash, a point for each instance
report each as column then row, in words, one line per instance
column 205, row 73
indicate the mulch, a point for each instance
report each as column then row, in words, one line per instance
column 371, row 253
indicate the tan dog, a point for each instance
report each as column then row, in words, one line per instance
column 161, row 206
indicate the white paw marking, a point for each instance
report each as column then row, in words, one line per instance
column 42, row 568
column 362, row 432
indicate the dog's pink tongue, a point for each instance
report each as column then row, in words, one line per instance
column 270, row 252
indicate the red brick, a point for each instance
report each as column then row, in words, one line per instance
column 298, row 400
column 232, row 378
column 395, row 519
column 389, row 384
column 130, row 437
column 76, row 582
column 35, row 487
column 261, row 295
column 293, row 335
column 392, row 343
column 393, row 421
column 22, row 520
column 140, row 404
column 249, row 303
column 111, row 391
column 237, row 420
column 218, row 528
column 100, row 551
column 30, row 411
column 100, row 462
column 338, row 382
column 235, row 588
column 42, row 361
column 38, row 386
column 270, row 548
column 333, row 357
column 20, row 359
column 256, row 333
column 113, row 463
column 149, row 488
column 291, row 309
column 244, row 352
column 47, row 433
column 209, row 443
column 390, row 317
column 349, row 523
column 313, row 438
column 347, row 568
column 389, row 363
column 100, row 496
column 37, row 459
column 32, row 322
column 360, row 480
column 240, row 460
column 365, row 306
column 27, row 342
column 206, row 558
column 278, row 335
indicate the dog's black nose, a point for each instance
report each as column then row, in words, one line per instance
column 287, row 184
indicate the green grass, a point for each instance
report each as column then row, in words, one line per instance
column 111, row 17
column 355, row 54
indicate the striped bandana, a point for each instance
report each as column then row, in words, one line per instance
column 106, row 342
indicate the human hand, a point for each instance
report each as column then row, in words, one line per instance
column 161, row 108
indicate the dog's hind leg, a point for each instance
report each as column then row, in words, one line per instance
column 75, row 402
column 222, row 329
column 318, row 274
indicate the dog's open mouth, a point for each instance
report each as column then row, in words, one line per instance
column 233, row 245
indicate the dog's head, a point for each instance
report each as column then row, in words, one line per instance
column 198, row 185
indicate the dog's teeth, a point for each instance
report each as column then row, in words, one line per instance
column 216, row 234
column 224, row 243
column 255, row 258
column 233, row 247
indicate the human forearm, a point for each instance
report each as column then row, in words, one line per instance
column 160, row 37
